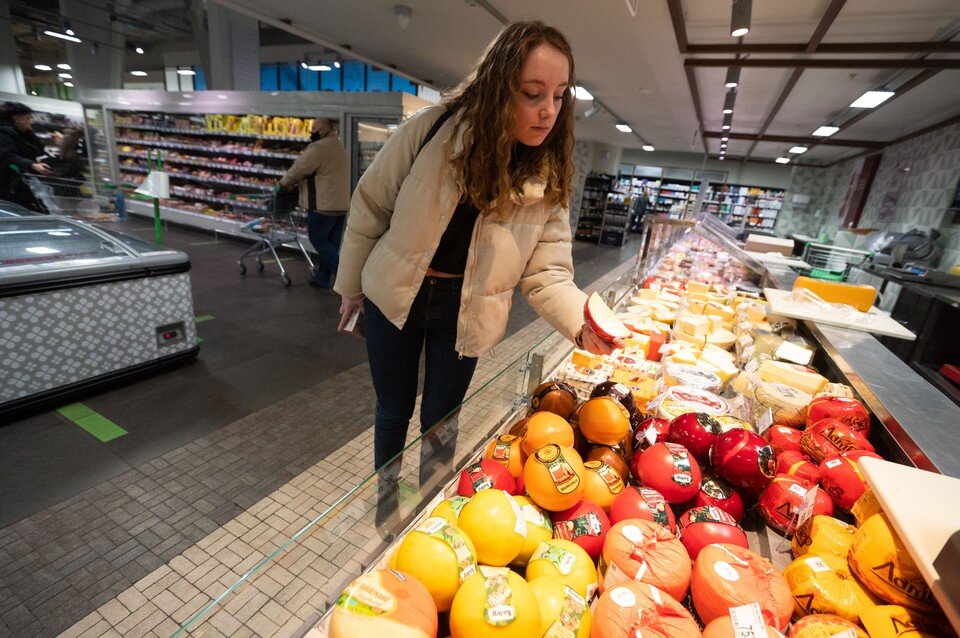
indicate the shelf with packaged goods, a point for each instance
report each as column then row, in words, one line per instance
column 208, row 133
column 205, row 149
column 204, row 180
column 173, row 159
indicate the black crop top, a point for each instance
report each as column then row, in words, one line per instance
column 451, row 255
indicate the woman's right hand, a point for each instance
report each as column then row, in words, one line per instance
column 40, row 167
column 346, row 309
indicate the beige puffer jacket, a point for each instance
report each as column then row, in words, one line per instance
column 398, row 214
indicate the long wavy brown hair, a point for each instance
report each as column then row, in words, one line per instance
column 491, row 165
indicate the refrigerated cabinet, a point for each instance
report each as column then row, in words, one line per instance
column 81, row 306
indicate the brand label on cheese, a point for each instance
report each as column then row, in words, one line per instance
column 520, row 521
column 562, row 473
column 816, row 564
column 568, row 623
column 441, row 528
column 366, row 598
column 623, row 597
column 832, row 463
column 609, row 475
column 561, row 558
column 713, row 487
column 498, row 609
column 586, row 525
column 657, row 504
column 726, row 571
column 501, row 450
column 748, row 621
column 478, row 478
column 632, row 533
column 765, row 420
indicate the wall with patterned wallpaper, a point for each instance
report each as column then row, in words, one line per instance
column 582, row 161
column 825, row 187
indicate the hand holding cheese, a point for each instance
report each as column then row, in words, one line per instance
column 602, row 331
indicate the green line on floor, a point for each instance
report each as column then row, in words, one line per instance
column 271, row 261
column 99, row 426
column 199, row 340
column 203, row 318
column 205, row 243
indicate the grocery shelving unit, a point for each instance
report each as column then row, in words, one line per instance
column 616, row 223
column 743, row 206
column 676, row 197
column 595, row 190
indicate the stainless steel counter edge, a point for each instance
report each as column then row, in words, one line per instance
column 920, row 420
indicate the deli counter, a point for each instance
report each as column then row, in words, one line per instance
column 912, row 425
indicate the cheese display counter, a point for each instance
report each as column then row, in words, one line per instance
column 705, row 473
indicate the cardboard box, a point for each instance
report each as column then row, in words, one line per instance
column 764, row 244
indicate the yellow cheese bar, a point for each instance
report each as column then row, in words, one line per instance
column 742, row 384
column 696, row 306
column 718, row 309
column 663, row 315
column 680, row 335
column 695, row 325
column 860, row 296
column 647, row 293
column 755, row 312
column 724, row 369
column 669, row 297
column 638, row 344
column 716, row 323
column 792, row 375
column 586, row 359
column 697, row 286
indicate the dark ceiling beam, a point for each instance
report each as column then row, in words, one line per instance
column 950, row 121
column 812, row 45
column 812, row 63
column 695, row 94
column 827, row 48
column 789, row 139
column 679, row 30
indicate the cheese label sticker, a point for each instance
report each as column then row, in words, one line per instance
column 561, row 558
column 632, row 533
column 657, row 505
column 534, row 516
column 442, row 529
column 798, row 489
column 478, row 478
column 752, row 366
column 568, row 623
column 715, row 488
column 457, row 503
column 816, row 564
column 832, row 463
column 586, row 525
column 749, row 351
column 726, row 571
column 651, row 435
column 764, row 421
column 520, row 520
column 561, row 472
column 623, row 597
column 748, row 621
column 501, row 450
column 365, row 597
column 498, row 609
column 610, row 477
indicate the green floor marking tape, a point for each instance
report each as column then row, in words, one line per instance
column 271, row 261
column 205, row 243
column 199, row 340
column 203, row 318
column 97, row 425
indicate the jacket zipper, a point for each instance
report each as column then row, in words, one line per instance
column 475, row 241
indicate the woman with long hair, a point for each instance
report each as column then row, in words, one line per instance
column 463, row 203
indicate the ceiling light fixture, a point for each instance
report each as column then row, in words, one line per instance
column 725, row 127
column 318, row 67
column 826, row 131
column 782, row 160
column 724, row 138
column 337, row 63
column 186, row 72
column 871, row 99
column 65, row 76
column 139, row 74
column 43, row 67
column 582, row 93
column 62, row 36
column 64, row 66
column 648, row 147
column 740, row 18
column 728, row 102
column 139, row 50
column 624, row 128
column 733, row 77
column 799, row 149
column 402, row 13
column 70, row 84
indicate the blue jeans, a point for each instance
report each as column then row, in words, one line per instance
column 394, row 357
column 325, row 233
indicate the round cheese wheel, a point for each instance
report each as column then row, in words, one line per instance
column 493, row 521
column 840, row 477
column 563, row 612
column 788, row 405
column 494, row 601
column 438, row 555
column 603, row 420
column 556, row 397
column 553, row 477
column 780, row 500
column 484, row 475
column 603, row 484
column 799, row 465
column 715, row 492
column 784, row 438
column 822, row 584
column 897, row 621
column 640, row 609
column 850, row 412
column 450, row 508
column 612, row 456
column 823, row 534
column 681, row 399
column 820, row 625
column 722, row 627
column 882, row 563
column 384, row 602
column 828, row 437
column 585, row 524
column 744, row 460
column 539, row 528
column 564, row 561
column 643, row 551
column 506, row 450
column 544, row 428
column 702, row 526
column 695, row 431
column 644, row 503
column 726, row 576
column 671, row 470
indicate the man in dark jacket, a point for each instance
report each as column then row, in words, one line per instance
column 19, row 149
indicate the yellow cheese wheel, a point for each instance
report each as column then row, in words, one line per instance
column 822, row 584
column 789, row 405
column 494, row 601
column 565, row 561
column 896, row 621
column 823, row 534
column 822, row 626
column 563, row 612
column 881, row 561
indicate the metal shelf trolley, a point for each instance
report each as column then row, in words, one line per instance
column 278, row 224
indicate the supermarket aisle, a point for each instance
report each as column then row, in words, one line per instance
column 84, row 520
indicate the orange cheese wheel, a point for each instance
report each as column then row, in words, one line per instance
column 636, row 549
column 604, row 420
column 553, row 476
column 603, row 483
column 726, row 576
column 722, row 627
column 821, row 625
column 544, row 428
column 384, row 602
column 640, row 609
column 507, row 451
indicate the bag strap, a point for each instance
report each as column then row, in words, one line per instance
column 433, row 131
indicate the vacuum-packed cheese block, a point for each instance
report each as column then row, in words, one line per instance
column 699, row 341
column 697, row 286
column 787, row 404
column 792, row 375
column 719, row 309
column 860, row 296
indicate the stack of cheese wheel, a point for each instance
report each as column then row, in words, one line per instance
column 726, row 576
column 823, row 584
column 640, row 609
column 644, row 551
column 384, row 602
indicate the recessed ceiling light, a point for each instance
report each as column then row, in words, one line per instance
column 68, row 84
column 624, row 128
column 722, row 158
column 63, row 66
column 733, row 77
column 65, row 76
column 62, row 36
column 139, row 50
column 725, row 127
column 139, row 74
column 724, row 138
column 186, row 72
column 826, row 131
column 871, row 99
column 728, row 102
column 799, row 149
column 740, row 18
column 43, row 67
column 582, row 93
column 782, row 160
column 648, row 147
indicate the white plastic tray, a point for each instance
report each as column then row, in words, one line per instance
column 873, row 321
column 778, row 260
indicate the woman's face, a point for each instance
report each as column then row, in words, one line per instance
column 544, row 77
column 23, row 122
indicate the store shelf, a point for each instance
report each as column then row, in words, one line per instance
column 250, row 205
column 217, row 165
column 205, row 149
column 206, row 133
column 202, row 180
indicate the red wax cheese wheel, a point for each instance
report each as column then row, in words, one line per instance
column 556, row 397
column 544, row 428
column 797, row 464
column 650, row 431
column 702, row 526
column 638, row 550
column 715, row 492
column 820, row 625
column 484, row 475
column 783, row 438
column 611, row 456
column 743, row 459
column 726, row 576
column 722, row 627
column 384, row 602
column 638, row 609
column 695, row 431
column 841, row 478
column 553, row 477
column 604, row 420
column 643, row 503
column 671, row 470
column 585, row 524
column 848, row 411
column 603, row 484
column 506, row 450
column 780, row 500
column 828, row 437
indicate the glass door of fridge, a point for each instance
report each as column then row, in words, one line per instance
column 368, row 135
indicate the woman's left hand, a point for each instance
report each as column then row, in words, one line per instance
column 594, row 344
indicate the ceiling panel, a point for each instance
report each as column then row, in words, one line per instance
column 758, row 90
column 892, row 20
column 708, row 21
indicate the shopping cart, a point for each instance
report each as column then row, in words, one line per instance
column 276, row 223
column 75, row 197
column 832, row 262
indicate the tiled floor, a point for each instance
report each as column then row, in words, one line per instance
column 185, row 525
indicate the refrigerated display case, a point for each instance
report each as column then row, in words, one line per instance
column 81, row 306
column 369, row 134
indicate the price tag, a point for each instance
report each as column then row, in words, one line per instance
column 764, row 421
column 748, row 621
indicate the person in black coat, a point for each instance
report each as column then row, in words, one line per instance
column 19, row 149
